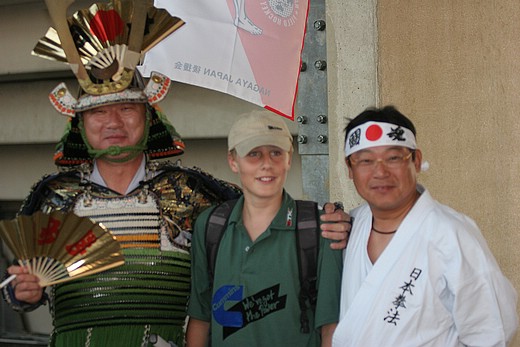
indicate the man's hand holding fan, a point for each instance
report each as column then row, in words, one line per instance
column 53, row 248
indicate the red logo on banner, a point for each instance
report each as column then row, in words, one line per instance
column 272, row 33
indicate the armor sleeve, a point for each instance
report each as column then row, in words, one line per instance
column 52, row 192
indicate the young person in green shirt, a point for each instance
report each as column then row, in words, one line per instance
column 252, row 299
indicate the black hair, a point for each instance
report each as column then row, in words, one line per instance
column 388, row 114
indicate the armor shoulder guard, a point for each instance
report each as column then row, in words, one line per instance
column 185, row 192
column 216, row 189
column 53, row 192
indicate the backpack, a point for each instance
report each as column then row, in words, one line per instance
column 307, row 241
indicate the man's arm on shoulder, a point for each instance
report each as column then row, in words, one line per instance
column 335, row 225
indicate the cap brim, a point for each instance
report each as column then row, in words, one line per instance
column 245, row 147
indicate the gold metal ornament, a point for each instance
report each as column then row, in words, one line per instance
column 104, row 43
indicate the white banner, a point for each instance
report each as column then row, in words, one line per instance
column 247, row 48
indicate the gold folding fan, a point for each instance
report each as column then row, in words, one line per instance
column 59, row 246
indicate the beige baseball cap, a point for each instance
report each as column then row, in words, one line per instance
column 259, row 128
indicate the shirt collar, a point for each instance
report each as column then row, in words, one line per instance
column 285, row 218
column 139, row 176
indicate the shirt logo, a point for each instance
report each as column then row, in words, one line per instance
column 246, row 310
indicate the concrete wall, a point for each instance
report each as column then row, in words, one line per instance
column 453, row 67
column 455, row 70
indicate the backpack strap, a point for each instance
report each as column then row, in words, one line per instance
column 215, row 227
column 307, row 242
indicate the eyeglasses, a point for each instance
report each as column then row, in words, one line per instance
column 394, row 161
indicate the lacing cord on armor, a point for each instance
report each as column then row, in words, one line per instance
column 89, row 337
column 146, row 335
column 113, row 151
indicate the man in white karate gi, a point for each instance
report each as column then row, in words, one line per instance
column 416, row 272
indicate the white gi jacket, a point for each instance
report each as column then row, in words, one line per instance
column 435, row 284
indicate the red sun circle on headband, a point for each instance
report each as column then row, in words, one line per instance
column 374, row 132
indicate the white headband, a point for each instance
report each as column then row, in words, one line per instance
column 372, row 134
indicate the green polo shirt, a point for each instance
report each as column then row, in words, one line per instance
column 254, row 300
